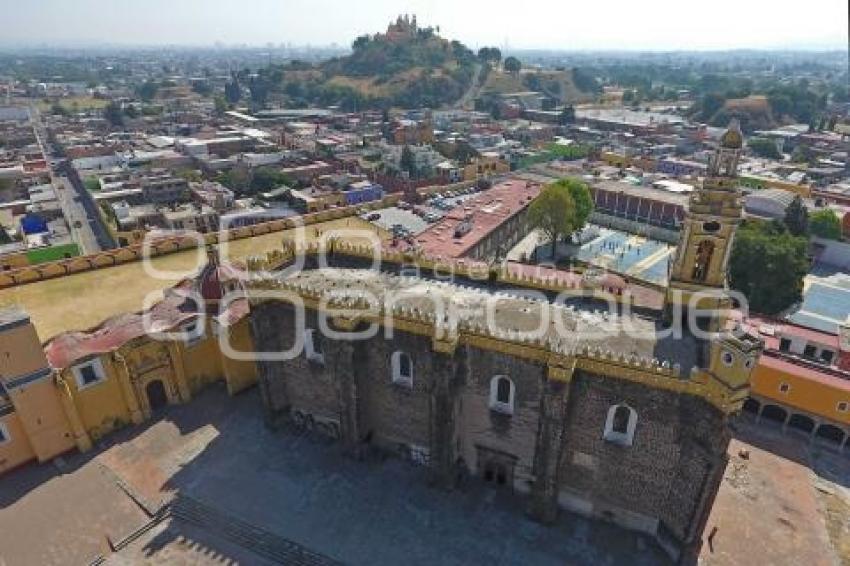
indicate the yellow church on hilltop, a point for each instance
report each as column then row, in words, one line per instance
column 79, row 386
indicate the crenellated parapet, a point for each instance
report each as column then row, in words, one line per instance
column 350, row 308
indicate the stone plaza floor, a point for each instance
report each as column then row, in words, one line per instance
column 217, row 451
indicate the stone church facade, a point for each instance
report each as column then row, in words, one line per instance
column 625, row 425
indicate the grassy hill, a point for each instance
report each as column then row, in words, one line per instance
column 418, row 68
column 557, row 84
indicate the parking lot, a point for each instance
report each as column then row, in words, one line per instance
column 406, row 219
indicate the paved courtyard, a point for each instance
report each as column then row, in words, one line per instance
column 216, row 451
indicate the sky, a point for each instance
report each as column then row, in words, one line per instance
column 663, row 25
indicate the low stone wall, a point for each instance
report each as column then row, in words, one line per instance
column 108, row 258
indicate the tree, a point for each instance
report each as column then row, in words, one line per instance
column 58, row 110
column 266, row 178
column 490, row 54
column 764, row 147
column 568, row 115
column 361, row 42
column 407, row 161
column 147, row 90
column 797, row 217
column 581, row 198
column 232, row 90
column 768, row 265
column 131, row 111
column 220, row 105
column 826, row 224
column 259, row 89
column 802, row 154
column 113, row 114
column 560, row 209
column 202, row 87
column 513, row 65
column 710, row 104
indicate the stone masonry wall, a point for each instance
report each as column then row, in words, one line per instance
column 664, row 479
column 479, row 426
column 662, row 474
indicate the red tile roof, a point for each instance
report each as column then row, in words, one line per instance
column 66, row 348
column 830, row 377
column 487, row 211
column 753, row 323
column 177, row 308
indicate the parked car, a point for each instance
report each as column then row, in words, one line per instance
column 374, row 216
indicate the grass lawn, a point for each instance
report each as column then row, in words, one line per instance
column 73, row 103
column 53, row 253
column 83, row 300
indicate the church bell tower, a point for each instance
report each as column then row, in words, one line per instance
column 702, row 257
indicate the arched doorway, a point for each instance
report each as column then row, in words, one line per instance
column 830, row 433
column 801, row 423
column 751, row 406
column 774, row 413
column 157, row 397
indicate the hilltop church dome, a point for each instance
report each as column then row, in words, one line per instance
column 732, row 138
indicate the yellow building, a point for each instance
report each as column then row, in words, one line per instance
column 623, row 161
column 760, row 183
column 34, row 422
column 698, row 272
column 802, row 381
column 487, row 165
column 83, row 385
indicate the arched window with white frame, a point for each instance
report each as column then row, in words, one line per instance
column 502, row 393
column 402, row 368
column 620, row 425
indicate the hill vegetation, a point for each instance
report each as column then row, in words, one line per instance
column 407, row 66
column 415, row 68
column 558, row 84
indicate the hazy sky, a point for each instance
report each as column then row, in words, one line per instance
column 557, row 24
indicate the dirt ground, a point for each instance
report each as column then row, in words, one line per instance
column 83, row 300
column 782, row 501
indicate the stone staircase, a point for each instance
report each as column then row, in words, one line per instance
column 261, row 542
column 257, row 540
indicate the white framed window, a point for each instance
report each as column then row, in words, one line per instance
column 784, row 388
column 89, row 373
column 313, row 346
column 4, row 434
column 502, row 392
column 402, row 368
column 620, row 425
column 842, row 407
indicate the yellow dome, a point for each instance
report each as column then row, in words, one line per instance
column 732, row 137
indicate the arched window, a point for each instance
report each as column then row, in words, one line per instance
column 313, row 346
column 502, row 394
column 402, row 367
column 705, row 250
column 620, row 424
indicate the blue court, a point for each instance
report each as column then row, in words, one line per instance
column 635, row 256
column 826, row 303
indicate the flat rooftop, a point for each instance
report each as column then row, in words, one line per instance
column 660, row 195
column 577, row 323
column 485, row 212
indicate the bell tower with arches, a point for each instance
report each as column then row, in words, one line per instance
column 702, row 257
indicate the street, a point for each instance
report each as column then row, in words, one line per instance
column 76, row 215
column 78, row 208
